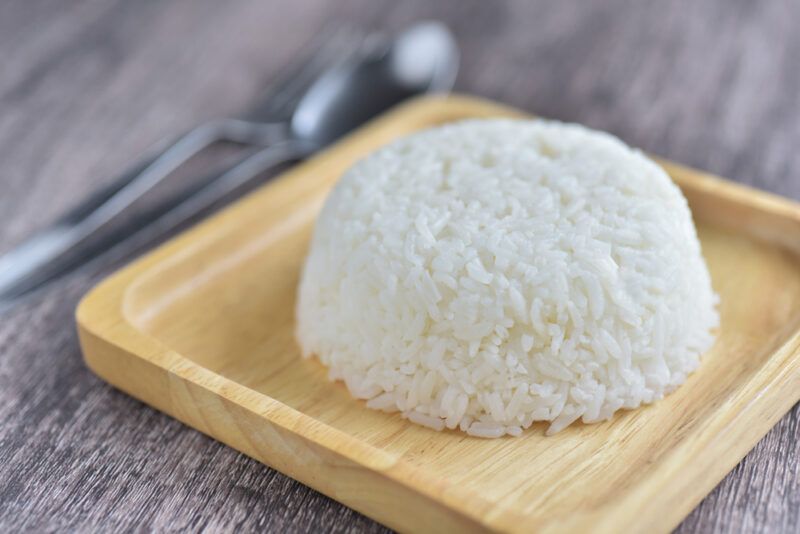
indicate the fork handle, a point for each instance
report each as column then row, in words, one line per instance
column 235, row 177
column 40, row 257
column 100, row 207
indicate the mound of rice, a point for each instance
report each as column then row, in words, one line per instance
column 487, row 274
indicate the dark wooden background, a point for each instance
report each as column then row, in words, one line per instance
column 88, row 85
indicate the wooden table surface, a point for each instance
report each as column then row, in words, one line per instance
column 89, row 85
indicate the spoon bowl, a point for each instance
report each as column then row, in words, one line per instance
column 422, row 59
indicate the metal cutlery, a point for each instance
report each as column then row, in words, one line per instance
column 372, row 75
column 78, row 235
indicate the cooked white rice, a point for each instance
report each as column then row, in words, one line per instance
column 487, row 274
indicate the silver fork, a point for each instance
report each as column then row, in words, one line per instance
column 31, row 264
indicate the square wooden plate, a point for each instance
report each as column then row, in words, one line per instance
column 202, row 329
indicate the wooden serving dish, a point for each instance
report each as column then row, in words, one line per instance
column 202, row 329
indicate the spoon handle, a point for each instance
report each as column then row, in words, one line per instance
column 234, row 178
column 70, row 240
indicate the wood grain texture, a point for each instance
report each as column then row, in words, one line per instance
column 203, row 329
column 88, row 85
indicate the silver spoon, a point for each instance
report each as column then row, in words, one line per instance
column 422, row 59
